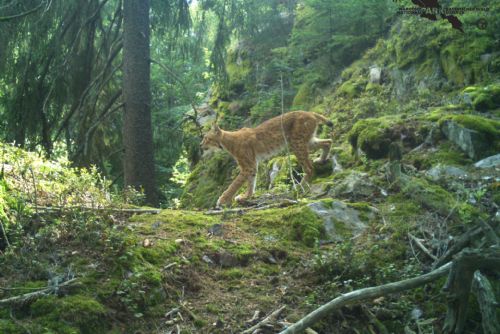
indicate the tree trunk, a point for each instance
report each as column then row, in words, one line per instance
column 137, row 131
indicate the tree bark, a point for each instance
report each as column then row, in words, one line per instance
column 459, row 283
column 137, row 130
column 487, row 303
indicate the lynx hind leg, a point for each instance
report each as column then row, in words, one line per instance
column 324, row 145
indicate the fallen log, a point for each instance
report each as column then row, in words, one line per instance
column 49, row 209
column 363, row 295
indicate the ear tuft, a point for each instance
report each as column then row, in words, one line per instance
column 216, row 128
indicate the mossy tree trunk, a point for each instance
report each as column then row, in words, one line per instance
column 137, row 130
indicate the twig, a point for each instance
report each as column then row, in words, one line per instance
column 34, row 189
column 365, row 294
column 489, row 232
column 422, row 247
column 188, row 311
column 267, row 320
column 4, row 234
column 22, row 299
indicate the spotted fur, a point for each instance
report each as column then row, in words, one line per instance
column 297, row 129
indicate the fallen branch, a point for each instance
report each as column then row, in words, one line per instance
column 266, row 321
column 422, row 247
column 460, row 244
column 86, row 208
column 360, row 295
column 251, row 208
column 28, row 297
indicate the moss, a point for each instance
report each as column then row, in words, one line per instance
column 372, row 135
column 158, row 253
column 305, row 225
column 489, row 127
column 10, row 327
column 233, row 273
column 446, row 154
column 80, row 311
column 430, row 196
column 305, row 96
column 207, row 181
column 351, row 89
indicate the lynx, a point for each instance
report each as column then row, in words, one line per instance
column 296, row 129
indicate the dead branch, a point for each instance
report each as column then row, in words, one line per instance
column 364, row 294
column 29, row 297
column 460, row 244
column 271, row 318
column 50, row 209
column 422, row 247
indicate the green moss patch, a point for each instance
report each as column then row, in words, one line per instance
column 207, row 181
column 81, row 312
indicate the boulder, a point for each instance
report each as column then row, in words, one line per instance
column 356, row 184
column 339, row 219
column 440, row 172
column 472, row 142
column 489, row 162
column 375, row 74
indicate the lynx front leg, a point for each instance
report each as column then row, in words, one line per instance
column 227, row 196
column 252, row 181
column 324, row 144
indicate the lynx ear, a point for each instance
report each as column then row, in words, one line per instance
column 216, row 128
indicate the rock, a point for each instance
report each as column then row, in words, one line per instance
column 216, row 230
column 356, row 184
column 490, row 162
column 375, row 74
column 472, row 142
column 227, row 260
column 338, row 218
column 439, row 172
column 486, row 57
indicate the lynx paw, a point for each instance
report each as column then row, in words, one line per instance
column 320, row 161
column 241, row 198
column 220, row 203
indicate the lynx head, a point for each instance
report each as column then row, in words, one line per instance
column 211, row 140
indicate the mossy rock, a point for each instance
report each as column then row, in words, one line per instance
column 373, row 135
column 482, row 99
column 83, row 313
column 305, row 225
column 476, row 135
column 351, row 88
column 208, row 180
